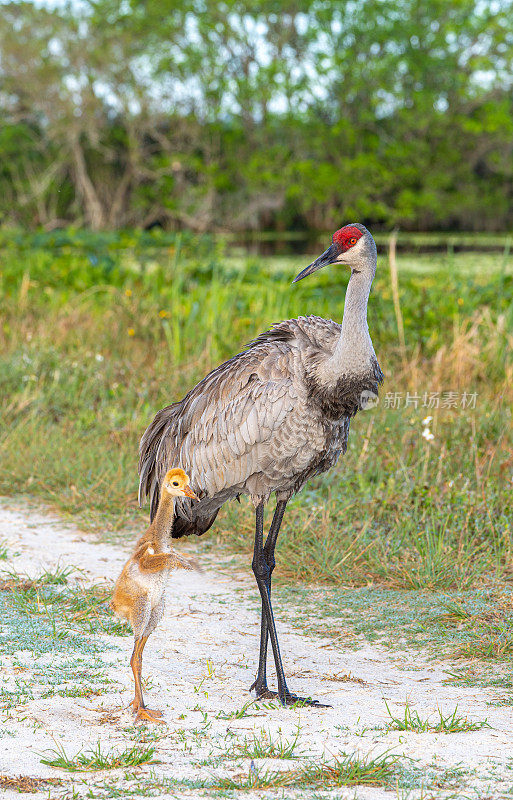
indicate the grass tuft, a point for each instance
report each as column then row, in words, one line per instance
column 353, row 770
column 239, row 713
column 450, row 723
column 27, row 784
column 96, row 759
column 264, row 746
column 345, row 770
column 59, row 576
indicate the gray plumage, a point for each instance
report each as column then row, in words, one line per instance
column 275, row 415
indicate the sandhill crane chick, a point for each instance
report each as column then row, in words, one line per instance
column 139, row 592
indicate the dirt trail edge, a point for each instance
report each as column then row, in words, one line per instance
column 198, row 666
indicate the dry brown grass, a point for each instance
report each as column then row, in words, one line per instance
column 26, row 783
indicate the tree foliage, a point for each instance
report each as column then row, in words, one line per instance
column 231, row 115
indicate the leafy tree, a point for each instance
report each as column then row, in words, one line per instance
column 202, row 114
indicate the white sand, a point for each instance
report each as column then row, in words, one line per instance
column 201, row 661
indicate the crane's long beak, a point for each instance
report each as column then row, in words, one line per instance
column 328, row 257
column 189, row 493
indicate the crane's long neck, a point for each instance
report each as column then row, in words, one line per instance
column 163, row 521
column 354, row 351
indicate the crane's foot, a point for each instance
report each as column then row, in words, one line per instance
column 148, row 715
column 136, row 705
column 258, row 689
column 288, row 699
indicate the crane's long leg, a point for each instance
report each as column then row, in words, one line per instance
column 262, row 573
column 260, row 684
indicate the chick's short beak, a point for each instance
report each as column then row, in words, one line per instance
column 189, row 493
column 328, row 257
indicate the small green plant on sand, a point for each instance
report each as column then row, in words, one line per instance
column 344, row 770
column 96, row 759
column 240, row 712
column 263, row 745
column 410, row 720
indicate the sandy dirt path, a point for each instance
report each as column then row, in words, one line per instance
column 199, row 665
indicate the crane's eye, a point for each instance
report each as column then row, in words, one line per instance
column 175, row 483
column 352, row 241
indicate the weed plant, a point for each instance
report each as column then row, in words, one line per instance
column 97, row 759
column 263, row 745
column 411, row 720
column 344, row 770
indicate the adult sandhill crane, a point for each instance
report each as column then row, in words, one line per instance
column 269, row 419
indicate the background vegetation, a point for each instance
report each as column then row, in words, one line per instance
column 100, row 331
column 258, row 115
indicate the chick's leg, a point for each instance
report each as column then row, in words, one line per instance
column 141, row 612
column 136, row 664
column 139, row 706
column 144, row 713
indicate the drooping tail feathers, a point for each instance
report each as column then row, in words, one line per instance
column 150, row 453
column 192, row 527
column 156, row 452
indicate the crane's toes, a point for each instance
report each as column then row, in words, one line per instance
column 262, row 692
column 136, row 705
column 148, row 715
column 154, row 712
column 299, row 702
column 291, row 699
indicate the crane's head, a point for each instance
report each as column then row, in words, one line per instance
column 352, row 245
column 176, row 483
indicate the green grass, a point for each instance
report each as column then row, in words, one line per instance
column 408, row 621
column 405, row 781
column 353, row 770
column 59, row 576
column 46, row 616
column 67, row 608
column 95, row 339
column 239, row 713
column 410, row 720
column 97, row 759
column 263, row 745
column 344, row 770
column 489, row 630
